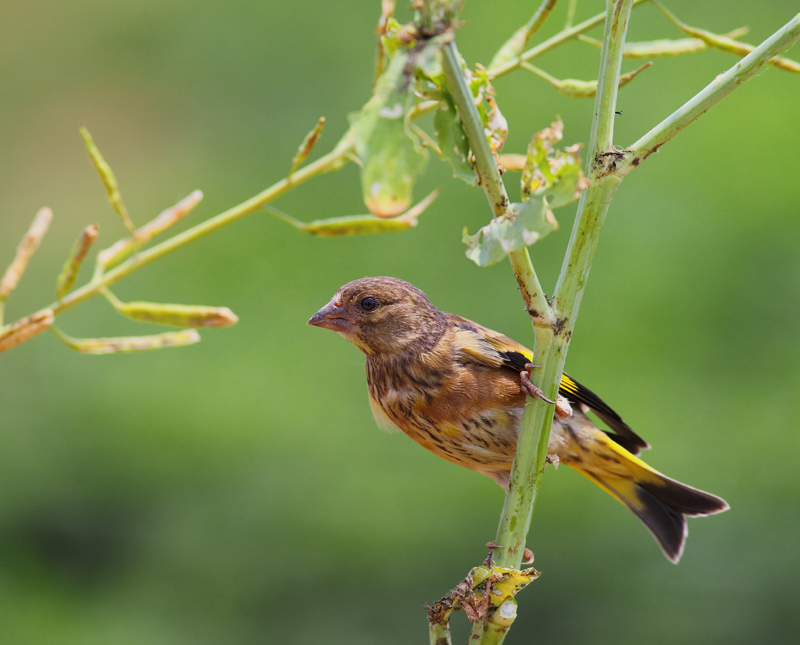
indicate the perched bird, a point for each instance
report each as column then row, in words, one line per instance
column 454, row 387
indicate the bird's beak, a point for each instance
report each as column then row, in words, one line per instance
column 332, row 316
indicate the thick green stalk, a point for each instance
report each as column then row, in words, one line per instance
column 440, row 633
column 552, row 335
column 720, row 87
column 595, row 200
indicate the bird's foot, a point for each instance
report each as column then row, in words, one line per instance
column 529, row 388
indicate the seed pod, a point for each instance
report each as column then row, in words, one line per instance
column 128, row 344
column 308, row 144
column 580, row 89
column 108, row 179
column 178, row 315
column 25, row 329
column 66, row 279
column 726, row 44
column 664, row 47
column 27, row 247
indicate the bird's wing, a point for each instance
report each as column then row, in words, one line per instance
column 492, row 349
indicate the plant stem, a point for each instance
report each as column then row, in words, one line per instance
column 552, row 333
column 491, row 181
column 719, row 88
column 595, row 200
column 440, row 633
column 526, row 277
column 331, row 161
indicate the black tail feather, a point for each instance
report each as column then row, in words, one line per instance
column 663, row 506
column 685, row 499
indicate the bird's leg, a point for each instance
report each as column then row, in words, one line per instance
column 563, row 408
column 528, row 387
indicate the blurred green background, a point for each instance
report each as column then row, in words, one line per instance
column 238, row 491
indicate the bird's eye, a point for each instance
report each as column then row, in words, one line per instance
column 369, row 304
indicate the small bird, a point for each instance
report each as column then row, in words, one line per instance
column 458, row 389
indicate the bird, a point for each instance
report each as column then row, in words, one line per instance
column 458, row 389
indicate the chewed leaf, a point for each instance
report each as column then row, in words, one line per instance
column 531, row 222
column 452, row 140
column 554, row 175
column 551, row 179
column 384, row 143
column 496, row 126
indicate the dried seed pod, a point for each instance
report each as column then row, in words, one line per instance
column 27, row 247
column 25, row 329
column 664, row 47
column 127, row 344
column 580, row 89
column 358, row 224
column 108, row 179
column 727, row 44
column 308, row 144
column 178, row 315
column 66, row 279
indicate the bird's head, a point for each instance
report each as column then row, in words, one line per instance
column 383, row 317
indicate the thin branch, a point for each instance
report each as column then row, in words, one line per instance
column 551, row 43
column 335, row 159
column 490, row 180
column 719, row 88
column 514, row 46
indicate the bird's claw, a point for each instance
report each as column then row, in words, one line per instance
column 528, row 387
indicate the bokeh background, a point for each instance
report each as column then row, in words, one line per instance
column 238, row 491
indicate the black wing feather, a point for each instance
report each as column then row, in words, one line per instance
column 623, row 435
column 576, row 393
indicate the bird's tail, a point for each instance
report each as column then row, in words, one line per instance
column 660, row 502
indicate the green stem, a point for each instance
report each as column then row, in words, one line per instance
column 552, row 338
column 720, row 87
column 440, row 633
column 490, row 179
column 532, row 292
column 595, row 200
column 331, row 161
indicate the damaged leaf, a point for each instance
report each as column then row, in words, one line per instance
column 530, row 221
column 388, row 149
column 452, row 140
column 551, row 179
column 552, row 174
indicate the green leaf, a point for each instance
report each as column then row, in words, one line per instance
column 389, row 151
column 551, row 179
column 554, row 175
column 532, row 220
column 452, row 140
